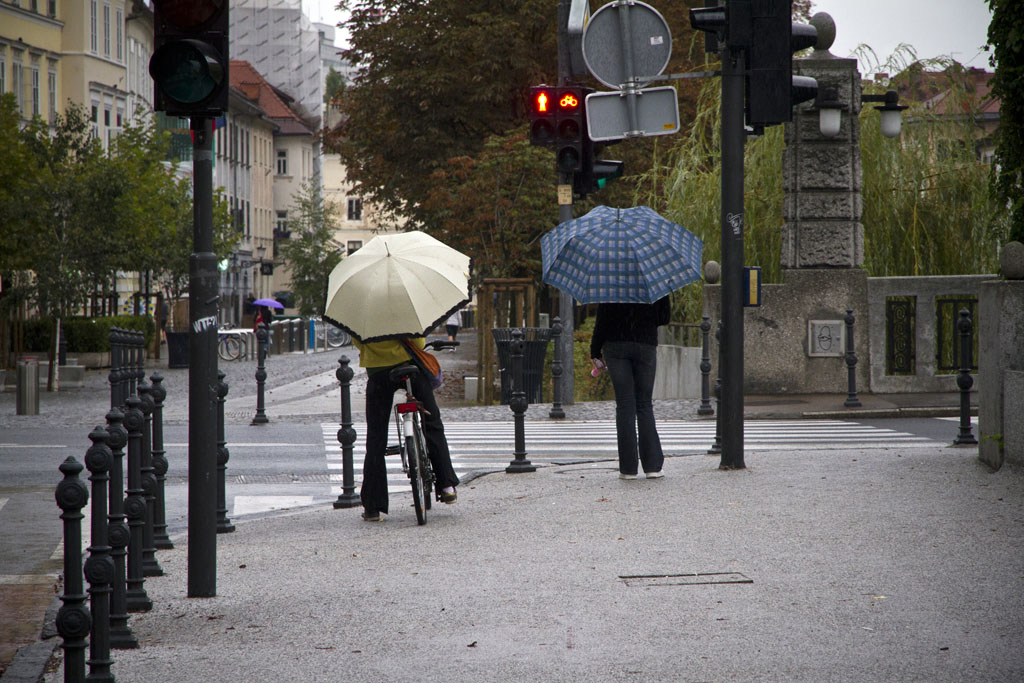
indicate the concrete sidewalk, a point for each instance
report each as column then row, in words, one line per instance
column 887, row 565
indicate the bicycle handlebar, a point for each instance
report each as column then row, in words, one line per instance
column 441, row 344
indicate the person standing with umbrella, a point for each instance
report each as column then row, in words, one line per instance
column 627, row 261
column 625, row 341
column 394, row 290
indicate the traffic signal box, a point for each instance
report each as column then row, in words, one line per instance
column 189, row 65
column 557, row 118
column 764, row 29
column 595, row 173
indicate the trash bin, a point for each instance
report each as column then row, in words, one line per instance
column 535, row 346
column 27, row 387
column 177, row 349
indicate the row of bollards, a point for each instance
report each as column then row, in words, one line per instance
column 128, row 466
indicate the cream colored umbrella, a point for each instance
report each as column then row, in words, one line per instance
column 396, row 286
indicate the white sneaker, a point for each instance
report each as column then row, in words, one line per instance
column 623, row 475
column 654, row 475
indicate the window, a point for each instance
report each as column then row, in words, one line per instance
column 119, row 34
column 355, row 209
column 18, row 86
column 52, row 8
column 354, row 246
column 52, row 95
column 281, row 230
column 282, row 162
column 3, row 73
column 94, row 19
column 106, row 30
column 34, row 74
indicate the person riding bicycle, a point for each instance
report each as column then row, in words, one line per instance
column 379, row 358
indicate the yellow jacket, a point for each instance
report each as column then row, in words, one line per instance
column 385, row 354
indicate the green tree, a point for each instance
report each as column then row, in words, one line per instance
column 311, row 251
column 1006, row 36
column 333, row 85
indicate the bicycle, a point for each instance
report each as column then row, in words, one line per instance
column 231, row 346
column 412, row 444
column 337, row 337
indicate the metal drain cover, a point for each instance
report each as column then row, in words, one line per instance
column 687, row 579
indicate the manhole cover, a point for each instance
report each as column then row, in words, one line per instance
column 687, row 579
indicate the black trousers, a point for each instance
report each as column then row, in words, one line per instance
column 380, row 392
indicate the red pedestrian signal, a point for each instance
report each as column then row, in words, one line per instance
column 542, row 120
column 540, row 102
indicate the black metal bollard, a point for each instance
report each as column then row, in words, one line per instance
column 161, row 541
column 114, row 376
column 99, row 568
column 348, row 498
column 705, row 368
column 121, row 637
column 518, row 403
column 964, row 380
column 224, row 525
column 556, row 371
column 851, row 364
column 135, row 509
column 716, row 447
column 150, row 566
column 132, row 360
column 261, row 374
column 73, row 619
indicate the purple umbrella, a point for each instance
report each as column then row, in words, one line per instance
column 268, row 302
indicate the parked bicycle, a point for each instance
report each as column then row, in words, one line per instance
column 232, row 345
column 412, row 444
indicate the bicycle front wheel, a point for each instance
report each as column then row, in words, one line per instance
column 419, row 493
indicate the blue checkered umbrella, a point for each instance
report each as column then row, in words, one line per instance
column 620, row 256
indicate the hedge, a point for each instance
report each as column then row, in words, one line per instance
column 86, row 334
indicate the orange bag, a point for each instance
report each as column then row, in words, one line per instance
column 426, row 362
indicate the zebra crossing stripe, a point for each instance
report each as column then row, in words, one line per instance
column 489, row 445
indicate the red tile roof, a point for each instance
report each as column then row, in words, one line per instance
column 248, row 80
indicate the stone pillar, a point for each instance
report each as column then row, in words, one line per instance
column 1001, row 372
column 822, row 177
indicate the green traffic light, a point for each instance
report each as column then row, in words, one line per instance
column 187, row 71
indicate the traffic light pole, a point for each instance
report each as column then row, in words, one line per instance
column 730, row 350
column 565, row 304
column 202, row 376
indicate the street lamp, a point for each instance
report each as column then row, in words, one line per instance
column 828, row 102
column 830, row 110
column 890, row 111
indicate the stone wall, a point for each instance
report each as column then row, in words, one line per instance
column 926, row 290
column 775, row 339
column 1001, row 372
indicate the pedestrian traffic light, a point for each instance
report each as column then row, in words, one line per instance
column 542, row 115
column 570, row 127
column 189, row 65
column 771, row 88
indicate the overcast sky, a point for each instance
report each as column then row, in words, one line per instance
column 934, row 28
